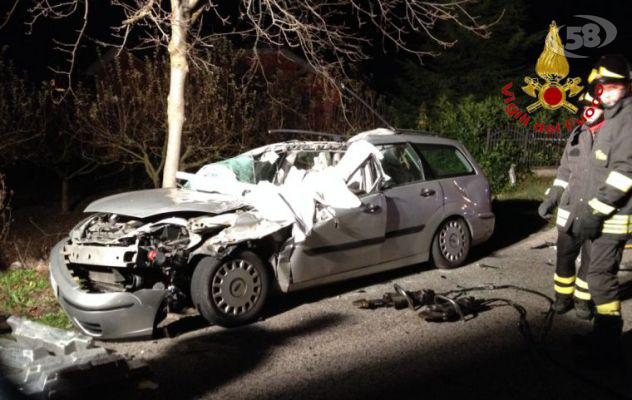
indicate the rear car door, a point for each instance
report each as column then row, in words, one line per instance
column 451, row 168
column 411, row 201
column 466, row 192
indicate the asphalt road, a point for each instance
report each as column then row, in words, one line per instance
column 315, row 345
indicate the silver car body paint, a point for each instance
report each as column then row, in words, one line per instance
column 119, row 315
column 353, row 236
column 146, row 203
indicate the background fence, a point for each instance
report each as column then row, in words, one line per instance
column 535, row 149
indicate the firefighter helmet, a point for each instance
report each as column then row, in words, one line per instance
column 589, row 99
column 612, row 68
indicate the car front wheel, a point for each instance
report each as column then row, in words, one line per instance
column 451, row 244
column 230, row 292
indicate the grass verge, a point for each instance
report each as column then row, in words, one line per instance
column 531, row 188
column 27, row 293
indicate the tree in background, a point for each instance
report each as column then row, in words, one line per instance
column 121, row 119
column 22, row 117
column 459, row 93
column 61, row 152
column 5, row 211
column 22, row 121
column 472, row 67
column 329, row 35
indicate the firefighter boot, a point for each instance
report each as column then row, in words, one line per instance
column 562, row 304
column 602, row 349
column 584, row 309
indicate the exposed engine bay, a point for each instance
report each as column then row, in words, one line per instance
column 109, row 252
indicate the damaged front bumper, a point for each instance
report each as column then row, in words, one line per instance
column 115, row 315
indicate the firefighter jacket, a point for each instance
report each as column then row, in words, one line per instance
column 571, row 176
column 610, row 174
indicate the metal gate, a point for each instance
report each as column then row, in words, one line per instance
column 537, row 149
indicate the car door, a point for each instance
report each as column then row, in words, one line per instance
column 465, row 192
column 352, row 239
column 411, row 201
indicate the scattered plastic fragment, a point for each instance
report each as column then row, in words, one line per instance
column 55, row 363
column 55, row 340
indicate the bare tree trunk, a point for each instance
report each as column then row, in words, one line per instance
column 175, row 102
column 155, row 180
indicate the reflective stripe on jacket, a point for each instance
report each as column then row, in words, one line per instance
column 610, row 176
column 571, row 175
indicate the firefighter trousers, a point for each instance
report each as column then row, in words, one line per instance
column 606, row 254
column 568, row 282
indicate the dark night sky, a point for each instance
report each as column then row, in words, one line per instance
column 34, row 53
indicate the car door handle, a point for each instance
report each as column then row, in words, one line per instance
column 427, row 192
column 371, row 208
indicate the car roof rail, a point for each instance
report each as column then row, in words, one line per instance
column 335, row 136
column 414, row 131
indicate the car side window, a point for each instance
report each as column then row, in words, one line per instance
column 400, row 163
column 365, row 179
column 444, row 161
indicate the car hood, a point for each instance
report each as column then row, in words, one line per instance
column 147, row 203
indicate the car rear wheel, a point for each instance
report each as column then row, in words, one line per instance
column 230, row 292
column 451, row 244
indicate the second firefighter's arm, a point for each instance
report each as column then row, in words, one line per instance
column 561, row 178
column 615, row 190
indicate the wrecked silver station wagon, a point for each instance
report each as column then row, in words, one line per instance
column 285, row 216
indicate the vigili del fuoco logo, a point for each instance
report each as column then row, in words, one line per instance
column 552, row 89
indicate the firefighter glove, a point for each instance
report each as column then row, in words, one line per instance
column 550, row 202
column 589, row 223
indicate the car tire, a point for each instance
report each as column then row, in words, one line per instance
column 451, row 244
column 232, row 291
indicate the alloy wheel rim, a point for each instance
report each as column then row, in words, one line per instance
column 236, row 287
column 452, row 241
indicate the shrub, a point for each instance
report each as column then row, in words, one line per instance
column 5, row 212
column 469, row 120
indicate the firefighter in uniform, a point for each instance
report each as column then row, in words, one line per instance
column 567, row 192
column 606, row 217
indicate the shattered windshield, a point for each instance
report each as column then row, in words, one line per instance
column 243, row 168
column 277, row 165
column 271, row 166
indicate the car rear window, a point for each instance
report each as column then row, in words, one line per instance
column 444, row 161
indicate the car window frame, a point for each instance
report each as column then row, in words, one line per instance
column 427, row 166
column 379, row 178
column 422, row 167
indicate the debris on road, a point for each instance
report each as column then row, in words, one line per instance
column 544, row 245
column 481, row 265
column 55, row 340
column 433, row 307
column 449, row 306
column 51, row 362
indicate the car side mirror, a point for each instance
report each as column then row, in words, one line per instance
column 385, row 185
column 354, row 187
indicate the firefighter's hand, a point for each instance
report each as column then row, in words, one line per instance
column 546, row 208
column 553, row 195
column 589, row 224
